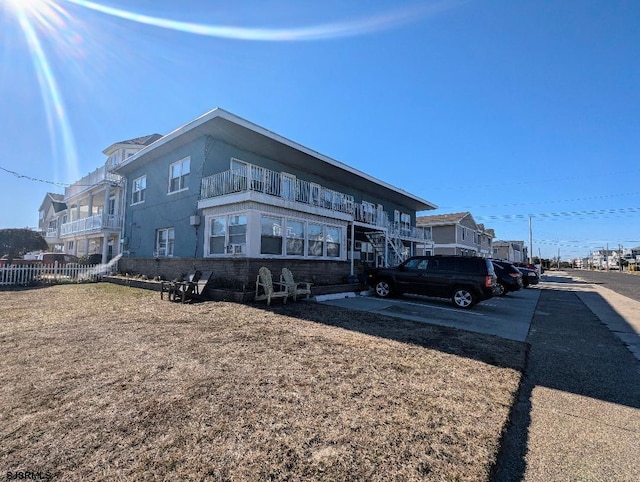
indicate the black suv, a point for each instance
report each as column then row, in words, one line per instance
column 465, row 280
column 509, row 277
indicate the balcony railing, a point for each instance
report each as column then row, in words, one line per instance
column 51, row 233
column 92, row 223
column 285, row 186
column 92, row 179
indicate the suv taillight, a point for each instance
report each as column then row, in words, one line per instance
column 488, row 281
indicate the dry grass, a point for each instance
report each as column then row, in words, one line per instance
column 106, row 382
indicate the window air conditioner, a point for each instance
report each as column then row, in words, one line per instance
column 236, row 248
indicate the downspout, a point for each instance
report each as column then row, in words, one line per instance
column 353, row 242
column 124, row 214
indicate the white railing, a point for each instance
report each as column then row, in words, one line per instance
column 92, row 179
column 51, row 233
column 285, row 186
column 259, row 179
column 91, row 223
column 27, row 274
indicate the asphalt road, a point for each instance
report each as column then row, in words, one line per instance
column 626, row 284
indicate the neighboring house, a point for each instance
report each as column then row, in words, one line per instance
column 605, row 259
column 51, row 215
column 632, row 256
column 454, row 234
column 92, row 220
column 222, row 189
column 514, row 251
column 485, row 241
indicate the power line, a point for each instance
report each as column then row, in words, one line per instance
column 24, row 176
column 563, row 215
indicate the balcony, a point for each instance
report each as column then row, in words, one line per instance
column 277, row 184
column 285, row 186
column 94, row 223
column 91, row 180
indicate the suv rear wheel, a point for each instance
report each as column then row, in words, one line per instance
column 463, row 298
column 383, row 288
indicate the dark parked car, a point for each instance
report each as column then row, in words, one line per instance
column 463, row 279
column 529, row 276
column 509, row 277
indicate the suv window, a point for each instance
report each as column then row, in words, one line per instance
column 442, row 264
column 471, row 266
column 416, row 264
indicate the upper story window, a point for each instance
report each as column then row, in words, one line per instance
column 138, row 189
column 178, row 175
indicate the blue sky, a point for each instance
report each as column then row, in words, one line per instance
column 509, row 110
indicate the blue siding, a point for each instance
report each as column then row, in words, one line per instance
column 162, row 210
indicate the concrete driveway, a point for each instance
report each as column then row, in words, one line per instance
column 507, row 317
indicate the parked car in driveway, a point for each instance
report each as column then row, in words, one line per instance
column 529, row 276
column 465, row 280
column 509, row 277
column 61, row 258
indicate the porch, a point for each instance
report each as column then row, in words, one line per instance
column 97, row 222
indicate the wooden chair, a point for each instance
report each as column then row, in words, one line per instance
column 295, row 289
column 181, row 290
column 265, row 281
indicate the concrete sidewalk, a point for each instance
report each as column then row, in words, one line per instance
column 578, row 414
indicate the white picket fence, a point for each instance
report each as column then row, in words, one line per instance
column 21, row 275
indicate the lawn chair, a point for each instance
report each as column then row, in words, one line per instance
column 295, row 289
column 194, row 289
column 181, row 290
column 265, row 281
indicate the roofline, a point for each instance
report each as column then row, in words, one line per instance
column 219, row 112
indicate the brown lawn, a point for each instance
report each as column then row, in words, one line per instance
column 104, row 382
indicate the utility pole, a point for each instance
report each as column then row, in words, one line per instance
column 530, row 242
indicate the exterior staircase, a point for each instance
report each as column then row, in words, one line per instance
column 389, row 250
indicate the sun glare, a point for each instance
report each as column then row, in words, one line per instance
column 26, row 5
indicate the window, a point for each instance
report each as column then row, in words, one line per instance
column 112, row 206
column 218, row 235
column 295, row 238
column 164, row 242
column 178, row 175
column 316, row 240
column 138, row 189
column 228, row 234
column 237, row 233
column 333, row 242
column 416, row 264
column 271, row 235
column 70, row 246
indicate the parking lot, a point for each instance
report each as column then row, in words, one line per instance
column 507, row 317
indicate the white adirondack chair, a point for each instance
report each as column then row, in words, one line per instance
column 295, row 289
column 268, row 292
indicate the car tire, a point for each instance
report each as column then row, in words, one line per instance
column 463, row 298
column 501, row 290
column 382, row 289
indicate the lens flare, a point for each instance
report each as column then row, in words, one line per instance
column 52, row 20
column 314, row 32
column 53, row 104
